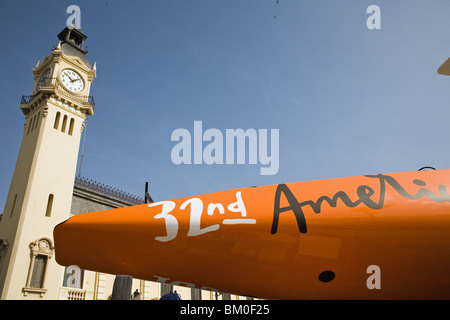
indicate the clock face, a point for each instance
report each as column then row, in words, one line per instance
column 44, row 78
column 72, row 80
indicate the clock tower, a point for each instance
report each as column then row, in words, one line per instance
column 41, row 190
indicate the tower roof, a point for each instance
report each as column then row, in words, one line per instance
column 72, row 44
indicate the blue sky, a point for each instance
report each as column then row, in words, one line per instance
column 347, row 100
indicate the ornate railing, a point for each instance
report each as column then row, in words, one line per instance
column 54, row 85
column 107, row 191
column 66, row 293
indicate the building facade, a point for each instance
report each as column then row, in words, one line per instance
column 40, row 193
column 44, row 190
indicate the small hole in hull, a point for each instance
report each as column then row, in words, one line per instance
column 326, row 276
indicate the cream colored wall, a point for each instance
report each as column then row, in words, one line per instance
column 154, row 290
column 11, row 226
column 10, row 220
column 184, row 292
column 48, row 168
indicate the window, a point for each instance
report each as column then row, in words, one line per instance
column 196, row 294
column 226, row 296
column 58, row 116
column 33, row 122
column 72, row 121
column 63, row 129
column 36, row 122
column 41, row 252
column 37, row 276
column 13, row 205
column 166, row 288
column 30, row 125
column 48, row 212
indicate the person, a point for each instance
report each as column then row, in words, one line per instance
column 136, row 295
column 171, row 296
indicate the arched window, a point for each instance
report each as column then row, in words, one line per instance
column 41, row 251
column 48, row 212
column 30, row 125
column 36, row 122
column 37, row 276
column 30, row 129
column 13, row 206
column 58, row 116
column 64, row 124
column 72, row 122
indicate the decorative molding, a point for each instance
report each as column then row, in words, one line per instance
column 108, row 191
column 45, row 113
column 42, row 246
column 52, row 90
column 27, row 290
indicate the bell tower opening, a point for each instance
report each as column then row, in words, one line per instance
column 73, row 37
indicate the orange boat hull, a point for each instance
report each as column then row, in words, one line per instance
column 369, row 237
